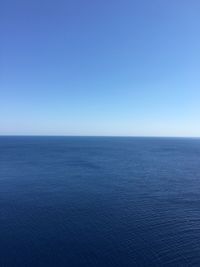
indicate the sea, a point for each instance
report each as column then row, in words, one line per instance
column 99, row 201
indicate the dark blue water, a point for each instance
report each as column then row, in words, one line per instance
column 80, row 201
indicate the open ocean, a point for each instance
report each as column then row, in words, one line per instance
column 99, row 201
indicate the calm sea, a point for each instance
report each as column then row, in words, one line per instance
column 99, row 201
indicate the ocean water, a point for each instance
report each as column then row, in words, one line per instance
column 99, row 201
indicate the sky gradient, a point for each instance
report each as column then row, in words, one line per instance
column 109, row 67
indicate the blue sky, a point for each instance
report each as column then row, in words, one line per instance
column 109, row 67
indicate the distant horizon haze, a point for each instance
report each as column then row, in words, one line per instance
column 103, row 136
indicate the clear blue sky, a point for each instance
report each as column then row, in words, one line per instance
column 108, row 67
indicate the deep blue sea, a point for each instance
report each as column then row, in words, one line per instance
column 99, row 201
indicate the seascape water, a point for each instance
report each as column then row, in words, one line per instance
column 99, row 201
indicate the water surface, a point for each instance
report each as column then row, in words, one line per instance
column 99, row 202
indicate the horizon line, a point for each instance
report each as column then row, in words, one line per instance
column 123, row 136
